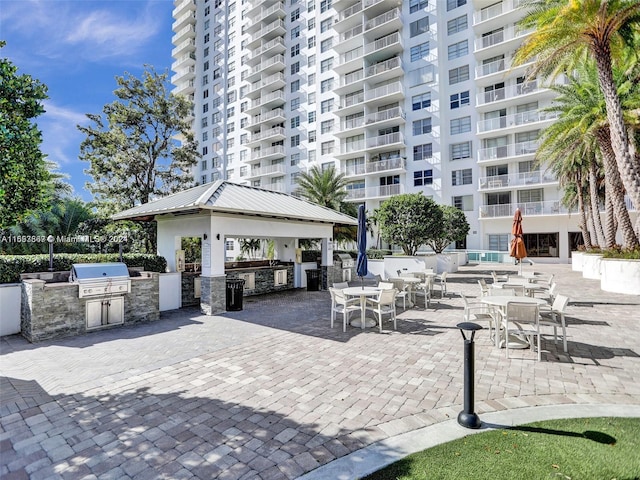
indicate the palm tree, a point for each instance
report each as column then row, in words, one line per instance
column 565, row 32
column 328, row 188
column 582, row 124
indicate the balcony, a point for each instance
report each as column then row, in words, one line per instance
column 183, row 75
column 500, row 67
column 392, row 67
column 272, row 134
column 506, row 151
column 351, row 33
column 267, row 32
column 495, row 10
column 183, row 34
column 348, row 17
column 506, row 93
column 384, row 116
column 183, row 61
column 498, row 182
column 499, row 37
column 183, row 20
column 383, row 191
column 272, row 82
column 268, row 171
column 272, row 116
column 385, row 46
column 350, row 104
column 268, row 14
column 551, row 207
column 270, row 48
column 265, row 154
column 388, row 165
column 349, row 61
column 184, row 7
column 185, row 47
column 390, row 93
column 515, row 120
column 268, row 101
column 386, row 23
column 385, row 140
column 185, row 89
column 272, row 65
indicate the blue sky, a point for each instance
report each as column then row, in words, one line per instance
column 77, row 48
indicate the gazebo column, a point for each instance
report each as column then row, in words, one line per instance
column 213, row 288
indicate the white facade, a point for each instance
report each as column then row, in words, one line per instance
column 400, row 96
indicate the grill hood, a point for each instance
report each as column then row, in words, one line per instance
column 98, row 271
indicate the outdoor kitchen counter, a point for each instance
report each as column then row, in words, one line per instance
column 260, row 279
column 55, row 310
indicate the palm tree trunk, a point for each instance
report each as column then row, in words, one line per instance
column 615, row 189
column 610, row 221
column 595, row 206
column 629, row 170
column 583, row 215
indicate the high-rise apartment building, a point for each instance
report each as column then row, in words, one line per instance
column 413, row 96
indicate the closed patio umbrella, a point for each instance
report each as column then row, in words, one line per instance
column 361, row 261
column 517, row 250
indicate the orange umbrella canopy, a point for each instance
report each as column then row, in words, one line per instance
column 517, row 249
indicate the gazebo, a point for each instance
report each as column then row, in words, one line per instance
column 221, row 209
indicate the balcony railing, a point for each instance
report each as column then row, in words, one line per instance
column 397, row 163
column 495, row 10
column 350, row 100
column 535, row 177
column 500, row 36
column 350, row 123
column 374, row 192
column 351, row 55
column 382, row 140
column 382, row 19
column 551, row 207
column 278, row 24
column 383, row 115
column 510, row 150
column 352, row 78
column 382, row 43
column 267, row 63
column 267, row 46
column 277, row 95
column 268, row 170
column 265, row 117
column 352, row 10
column 267, row 152
column 385, row 66
column 267, row 81
column 514, row 120
column 355, row 31
column 276, row 131
column 511, row 91
column 265, row 12
column 384, row 91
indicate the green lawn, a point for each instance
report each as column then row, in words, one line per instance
column 575, row 449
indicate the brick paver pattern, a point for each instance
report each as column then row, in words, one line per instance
column 272, row 392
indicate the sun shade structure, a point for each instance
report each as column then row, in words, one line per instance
column 361, row 262
column 226, row 197
column 517, row 250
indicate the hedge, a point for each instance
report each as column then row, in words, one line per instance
column 11, row 266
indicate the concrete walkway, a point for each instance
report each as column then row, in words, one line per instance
column 272, row 392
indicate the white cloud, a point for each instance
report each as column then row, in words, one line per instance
column 60, row 136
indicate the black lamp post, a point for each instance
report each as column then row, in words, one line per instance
column 50, row 239
column 467, row 417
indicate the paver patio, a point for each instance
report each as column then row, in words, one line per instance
column 272, row 392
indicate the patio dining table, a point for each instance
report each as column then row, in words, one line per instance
column 410, row 282
column 363, row 293
column 500, row 302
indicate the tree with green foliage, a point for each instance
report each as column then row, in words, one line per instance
column 454, row 227
column 409, row 220
column 132, row 149
column 25, row 181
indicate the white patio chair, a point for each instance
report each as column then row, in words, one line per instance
column 499, row 278
column 423, row 289
column 441, row 283
column 341, row 285
column 522, row 319
column 403, row 291
column 502, row 291
column 385, row 285
column 484, row 288
column 553, row 316
column 550, row 293
column 342, row 305
column 480, row 312
column 384, row 304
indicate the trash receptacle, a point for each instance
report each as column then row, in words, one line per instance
column 313, row 280
column 235, row 290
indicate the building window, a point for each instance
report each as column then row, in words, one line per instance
column 326, row 85
column 326, row 126
column 458, row 49
column 419, row 26
column 311, row 117
column 295, row 50
column 325, row 25
column 311, row 136
column 295, row 104
column 326, row 148
column 205, row 150
column 295, row 68
column 311, row 5
column 295, row 121
column 422, row 75
column 295, row 31
column 295, row 140
column 415, row 5
column 459, row 99
column 311, row 79
column 325, row 5
column 460, row 150
column 326, row 45
column 326, row 65
column 421, row 101
column 419, row 51
column 460, row 125
column 295, row 15
column 451, row 4
column 457, row 25
column 295, row 159
column 422, row 126
column 311, row 60
column 462, row 177
column 311, row 24
column 499, row 243
column 326, row 106
column 541, row 244
column 295, row 86
column 205, row 121
column 422, row 177
column 460, row 74
column 311, row 41
column 463, row 202
column 311, row 98
column 422, row 152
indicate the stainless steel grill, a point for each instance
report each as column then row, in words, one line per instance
column 342, row 260
column 100, row 279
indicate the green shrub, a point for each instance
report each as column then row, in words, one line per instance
column 622, row 253
column 11, row 266
column 377, row 254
